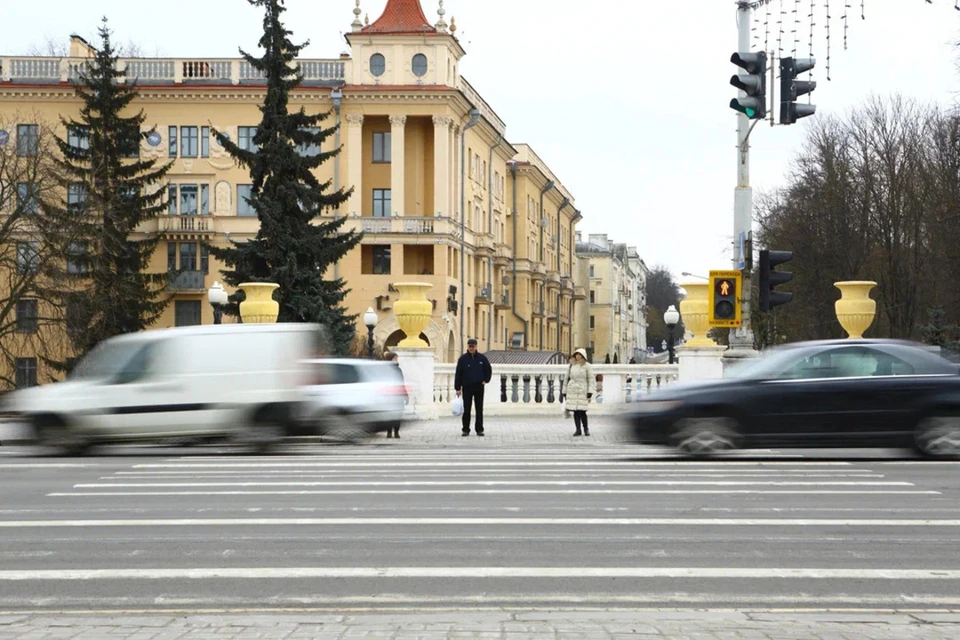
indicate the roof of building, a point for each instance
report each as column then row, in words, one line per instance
column 525, row 357
column 401, row 16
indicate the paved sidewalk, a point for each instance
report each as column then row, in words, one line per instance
column 506, row 625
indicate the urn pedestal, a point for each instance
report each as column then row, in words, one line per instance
column 259, row 307
column 855, row 309
column 694, row 313
column 413, row 312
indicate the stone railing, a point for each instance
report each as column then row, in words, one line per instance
column 148, row 71
column 536, row 389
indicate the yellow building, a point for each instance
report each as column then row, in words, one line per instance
column 440, row 193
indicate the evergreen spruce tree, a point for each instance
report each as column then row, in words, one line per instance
column 106, row 288
column 290, row 249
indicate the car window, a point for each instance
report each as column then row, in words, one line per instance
column 335, row 373
column 139, row 366
column 847, row 362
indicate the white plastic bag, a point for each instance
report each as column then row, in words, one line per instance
column 458, row 406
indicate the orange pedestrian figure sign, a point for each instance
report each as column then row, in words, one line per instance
column 724, row 302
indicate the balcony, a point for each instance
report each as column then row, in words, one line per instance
column 538, row 308
column 485, row 295
column 187, row 226
column 165, row 71
column 503, row 302
column 192, row 281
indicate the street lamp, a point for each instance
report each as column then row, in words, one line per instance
column 687, row 274
column 370, row 319
column 217, row 298
column 671, row 317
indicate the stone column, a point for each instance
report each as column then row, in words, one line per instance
column 397, row 129
column 441, row 165
column 355, row 162
column 701, row 363
column 418, row 374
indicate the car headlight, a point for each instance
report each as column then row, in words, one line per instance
column 657, row 406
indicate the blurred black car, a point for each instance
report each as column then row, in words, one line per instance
column 832, row 393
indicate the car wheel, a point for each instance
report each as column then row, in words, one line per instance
column 706, row 436
column 938, row 436
column 262, row 437
column 53, row 433
column 344, row 427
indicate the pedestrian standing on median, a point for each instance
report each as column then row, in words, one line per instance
column 581, row 385
column 473, row 373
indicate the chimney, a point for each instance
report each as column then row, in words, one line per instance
column 579, row 236
column 599, row 239
column 80, row 48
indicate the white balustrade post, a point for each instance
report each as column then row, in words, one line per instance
column 701, row 363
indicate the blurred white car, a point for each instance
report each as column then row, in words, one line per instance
column 350, row 399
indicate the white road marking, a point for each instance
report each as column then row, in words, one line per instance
column 491, row 483
column 447, row 463
column 726, row 573
column 698, row 522
column 305, row 492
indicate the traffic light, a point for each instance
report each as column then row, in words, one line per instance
column 770, row 279
column 724, row 302
column 754, row 84
column 791, row 89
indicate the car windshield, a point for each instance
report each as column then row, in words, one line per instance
column 105, row 361
column 769, row 365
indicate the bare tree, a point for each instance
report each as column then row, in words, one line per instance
column 31, row 323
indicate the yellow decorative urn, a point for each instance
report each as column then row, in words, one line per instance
column 855, row 309
column 694, row 312
column 413, row 311
column 259, row 307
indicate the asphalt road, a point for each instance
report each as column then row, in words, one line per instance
column 403, row 524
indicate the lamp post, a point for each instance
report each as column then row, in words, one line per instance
column 217, row 298
column 370, row 319
column 671, row 317
column 687, row 274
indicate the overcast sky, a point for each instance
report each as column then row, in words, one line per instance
column 626, row 100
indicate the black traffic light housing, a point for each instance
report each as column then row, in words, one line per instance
column 770, row 279
column 754, row 84
column 791, row 89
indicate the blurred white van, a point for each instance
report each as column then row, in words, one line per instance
column 238, row 381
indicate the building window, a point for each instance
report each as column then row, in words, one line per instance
column 592, row 326
column 188, row 256
column 186, row 313
column 28, row 139
column 75, row 320
column 592, row 272
column 311, row 149
column 419, row 65
column 375, row 259
column 78, row 138
column 171, row 256
column 204, row 142
column 244, row 208
column 204, row 259
column 193, row 199
column 78, row 262
column 130, row 146
column 245, row 137
column 593, row 297
column 172, row 141
column 28, row 198
column 378, row 64
column 381, row 203
column 26, row 373
column 381, row 146
column 76, row 197
column 189, row 142
column 27, row 316
column 28, row 257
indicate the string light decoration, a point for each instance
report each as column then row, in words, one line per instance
column 781, row 25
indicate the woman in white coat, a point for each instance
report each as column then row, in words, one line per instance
column 581, row 385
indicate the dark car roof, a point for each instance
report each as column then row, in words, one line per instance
column 854, row 341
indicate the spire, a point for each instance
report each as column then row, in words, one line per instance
column 356, row 24
column 401, row 16
column 441, row 23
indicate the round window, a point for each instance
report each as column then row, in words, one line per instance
column 419, row 65
column 378, row 64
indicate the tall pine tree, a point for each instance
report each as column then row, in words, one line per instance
column 291, row 249
column 110, row 192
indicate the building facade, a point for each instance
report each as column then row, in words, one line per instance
column 616, row 320
column 439, row 192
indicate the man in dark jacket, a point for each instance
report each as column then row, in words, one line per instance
column 473, row 372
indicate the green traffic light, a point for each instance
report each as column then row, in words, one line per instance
column 749, row 111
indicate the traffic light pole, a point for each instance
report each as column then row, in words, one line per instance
column 741, row 339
